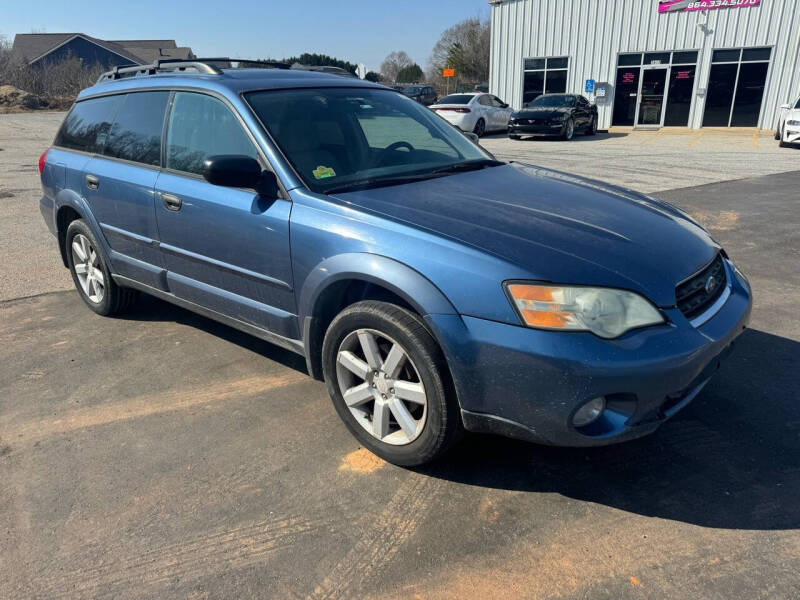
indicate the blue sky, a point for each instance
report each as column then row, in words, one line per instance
column 355, row 30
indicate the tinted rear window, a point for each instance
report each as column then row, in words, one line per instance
column 136, row 133
column 456, row 99
column 87, row 124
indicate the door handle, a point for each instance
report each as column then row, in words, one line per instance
column 92, row 182
column 171, row 202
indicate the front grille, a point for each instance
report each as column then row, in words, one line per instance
column 700, row 291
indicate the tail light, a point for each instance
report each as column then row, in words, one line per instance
column 42, row 160
column 462, row 110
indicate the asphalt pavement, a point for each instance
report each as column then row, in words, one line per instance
column 162, row 455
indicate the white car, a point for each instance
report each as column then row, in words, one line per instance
column 477, row 112
column 788, row 131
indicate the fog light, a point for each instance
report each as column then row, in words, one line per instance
column 589, row 412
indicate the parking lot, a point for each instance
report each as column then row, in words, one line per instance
column 162, row 455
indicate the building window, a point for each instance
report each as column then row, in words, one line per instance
column 544, row 76
column 736, row 87
column 654, row 88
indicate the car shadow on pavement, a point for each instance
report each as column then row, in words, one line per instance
column 149, row 308
column 729, row 460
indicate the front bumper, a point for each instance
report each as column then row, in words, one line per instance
column 527, row 383
column 791, row 134
column 539, row 128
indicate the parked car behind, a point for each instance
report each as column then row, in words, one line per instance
column 432, row 287
column 479, row 113
column 424, row 94
column 554, row 115
column 788, row 131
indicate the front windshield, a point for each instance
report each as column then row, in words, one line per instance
column 456, row 99
column 335, row 137
column 552, row 101
column 412, row 90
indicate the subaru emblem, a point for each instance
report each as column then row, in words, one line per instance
column 711, row 284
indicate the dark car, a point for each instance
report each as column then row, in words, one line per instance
column 424, row 94
column 555, row 115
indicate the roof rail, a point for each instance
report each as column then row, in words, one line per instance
column 205, row 66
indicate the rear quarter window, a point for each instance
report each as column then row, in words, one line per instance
column 88, row 123
column 136, row 132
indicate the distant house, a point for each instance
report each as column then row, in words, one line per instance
column 37, row 48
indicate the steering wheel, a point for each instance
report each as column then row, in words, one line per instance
column 392, row 148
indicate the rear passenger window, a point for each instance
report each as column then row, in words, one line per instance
column 201, row 126
column 136, row 133
column 87, row 124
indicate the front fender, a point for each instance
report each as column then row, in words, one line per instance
column 400, row 279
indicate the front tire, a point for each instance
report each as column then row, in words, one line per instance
column 513, row 136
column 569, row 130
column 592, row 128
column 389, row 382
column 91, row 274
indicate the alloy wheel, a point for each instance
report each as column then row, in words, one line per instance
column 86, row 263
column 381, row 386
column 570, row 130
column 480, row 128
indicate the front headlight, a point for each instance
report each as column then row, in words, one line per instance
column 558, row 118
column 793, row 123
column 606, row 312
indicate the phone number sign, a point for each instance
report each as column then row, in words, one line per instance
column 665, row 6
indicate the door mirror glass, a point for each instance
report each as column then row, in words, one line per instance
column 239, row 171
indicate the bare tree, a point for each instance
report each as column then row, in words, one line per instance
column 394, row 63
column 465, row 48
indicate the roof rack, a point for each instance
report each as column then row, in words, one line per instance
column 205, row 66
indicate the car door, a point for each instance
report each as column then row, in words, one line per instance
column 119, row 182
column 487, row 112
column 503, row 112
column 224, row 248
column 583, row 112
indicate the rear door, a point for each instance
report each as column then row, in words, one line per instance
column 226, row 249
column 119, row 182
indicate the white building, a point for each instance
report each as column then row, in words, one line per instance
column 651, row 63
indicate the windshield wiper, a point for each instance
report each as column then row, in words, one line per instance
column 374, row 182
column 363, row 184
column 470, row 165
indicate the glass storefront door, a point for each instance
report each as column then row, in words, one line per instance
column 651, row 96
column 626, row 95
column 679, row 95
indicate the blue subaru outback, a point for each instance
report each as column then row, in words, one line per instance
column 433, row 288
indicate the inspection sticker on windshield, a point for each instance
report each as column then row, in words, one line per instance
column 322, row 172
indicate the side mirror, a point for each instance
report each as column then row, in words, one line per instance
column 786, row 106
column 472, row 137
column 504, row 105
column 234, row 170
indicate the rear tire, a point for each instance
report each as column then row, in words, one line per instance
column 480, row 128
column 362, row 341
column 91, row 274
column 778, row 134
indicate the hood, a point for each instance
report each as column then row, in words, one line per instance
column 543, row 112
column 554, row 226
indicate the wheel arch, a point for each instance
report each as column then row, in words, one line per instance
column 348, row 278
